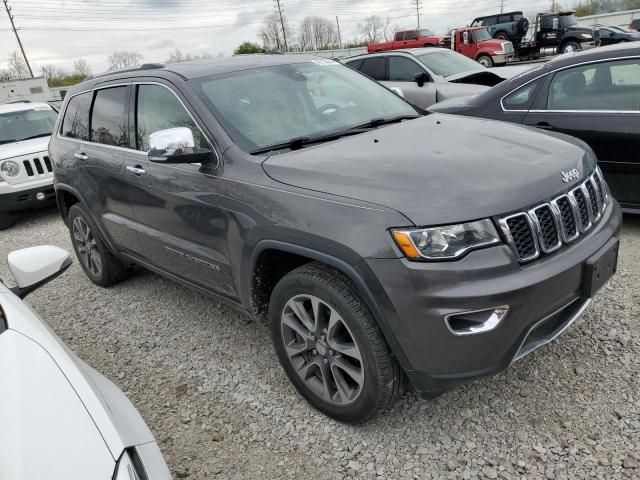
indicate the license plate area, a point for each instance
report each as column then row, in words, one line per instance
column 600, row 268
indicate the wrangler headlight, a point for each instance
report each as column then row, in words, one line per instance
column 10, row 168
column 445, row 243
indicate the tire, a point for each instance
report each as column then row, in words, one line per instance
column 320, row 349
column 428, row 45
column 570, row 47
column 523, row 26
column 99, row 264
column 485, row 61
column 502, row 35
column 6, row 220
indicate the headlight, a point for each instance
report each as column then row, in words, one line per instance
column 445, row 243
column 586, row 35
column 10, row 168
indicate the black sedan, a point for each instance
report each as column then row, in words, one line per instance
column 611, row 35
column 592, row 95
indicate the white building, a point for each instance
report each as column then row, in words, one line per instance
column 619, row 19
column 31, row 89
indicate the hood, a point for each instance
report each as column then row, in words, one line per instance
column 482, row 76
column 578, row 27
column 438, row 169
column 455, row 103
column 454, row 90
column 26, row 147
column 493, row 44
column 511, row 71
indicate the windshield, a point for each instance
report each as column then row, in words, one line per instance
column 425, row 32
column 568, row 20
column 447, row 63
column 482, row 35
column 267, row 106
column 25, row 124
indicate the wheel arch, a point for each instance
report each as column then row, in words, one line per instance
column 379, row 305
column 66, row 197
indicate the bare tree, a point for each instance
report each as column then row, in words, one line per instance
column 123, row 59
column 317, row 33
column 177, row 56
column 81, row 67
column 18, row 65
column 270, row 33
column 49, row 71
column 371, row 29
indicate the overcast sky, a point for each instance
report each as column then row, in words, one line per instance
column 60, row 31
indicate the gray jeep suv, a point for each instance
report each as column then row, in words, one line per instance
column 380, row 245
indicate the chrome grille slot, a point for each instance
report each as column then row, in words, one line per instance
column 546, row 227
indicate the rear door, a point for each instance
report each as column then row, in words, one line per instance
column 600, row 104
column 105, row 189
column 401, row 73
column 176, row 207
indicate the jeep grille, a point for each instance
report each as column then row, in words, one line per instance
column 547, row 227
column 37, row 166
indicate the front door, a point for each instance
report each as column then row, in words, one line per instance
column 402, row 71
column 600, row 104
column 176, row 207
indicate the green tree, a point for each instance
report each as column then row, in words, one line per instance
column 248, row 47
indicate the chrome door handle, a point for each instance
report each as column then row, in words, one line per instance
column 136, row 170
column 81, row 156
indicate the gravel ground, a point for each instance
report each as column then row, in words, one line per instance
column 207, row 382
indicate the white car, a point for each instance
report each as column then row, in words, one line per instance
column 26, row 172
column 59, row 418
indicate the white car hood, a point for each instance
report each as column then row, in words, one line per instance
column 26, row 147
column 115, row 417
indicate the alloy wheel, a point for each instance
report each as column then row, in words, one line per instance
column 86, row 246
column 322, row 349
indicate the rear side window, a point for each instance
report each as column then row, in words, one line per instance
column 76, row 117
column 356, row 64
column 159, row 109
column 109, row 118
column 399, row 36
column 504, row 19
column 374, row 68
column 487, row 22
column 522, row 98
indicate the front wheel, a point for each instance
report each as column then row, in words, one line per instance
column 570, row 47
column 330, row 346
column 502, row 36
column 6, row 220
column 485, row 61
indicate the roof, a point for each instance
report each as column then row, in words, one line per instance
column 404, row 51
column 517, row 12
column 625, row 49
column 21, row 106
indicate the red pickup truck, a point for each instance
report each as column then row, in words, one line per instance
column 409, row 39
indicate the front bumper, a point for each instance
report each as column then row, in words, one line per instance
column 544, row 298
column 502, row 58
column 11, row 201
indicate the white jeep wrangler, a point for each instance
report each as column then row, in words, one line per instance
column 26, row 172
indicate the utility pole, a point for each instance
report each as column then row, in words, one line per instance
column 418, row 5
column 501, row 6
column 24, row 55
column 339, row 36
column 284, row 32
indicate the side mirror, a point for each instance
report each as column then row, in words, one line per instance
column 176, row 145
column 34, row 267
column 465, row 38
column 421, row 78
column 556, row 23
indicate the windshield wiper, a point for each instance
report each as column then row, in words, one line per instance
column 299, row 142
column 36, row 136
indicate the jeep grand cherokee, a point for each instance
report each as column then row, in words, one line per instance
column 379, row 245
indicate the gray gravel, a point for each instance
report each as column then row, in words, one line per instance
column 207, row 382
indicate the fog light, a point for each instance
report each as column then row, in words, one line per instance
column 475, row 322
column 40, row 196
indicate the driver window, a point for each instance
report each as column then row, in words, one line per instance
column 157, row 108
column 411, row 36
column 402, row 69
column 399, row 36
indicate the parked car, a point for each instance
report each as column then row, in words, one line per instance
column 611, row 35
column 593, row 95
column 635, row 24
column 26, row 175
column 557, row 33
column 376, row 243
column 511, row 26
column 479, row 45
column 60, row 418
column 427, row 75
column 409, row 39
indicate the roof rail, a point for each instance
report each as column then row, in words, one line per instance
column 145, row 66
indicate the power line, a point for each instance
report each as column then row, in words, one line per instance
column 24, row 55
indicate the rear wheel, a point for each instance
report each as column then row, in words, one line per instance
column 502, row 35
column 330, row 346
column 100, row 265
column 485, row 61
column 428, row 45
column 6, row 220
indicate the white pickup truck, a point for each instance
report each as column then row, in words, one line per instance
column 26, row 172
